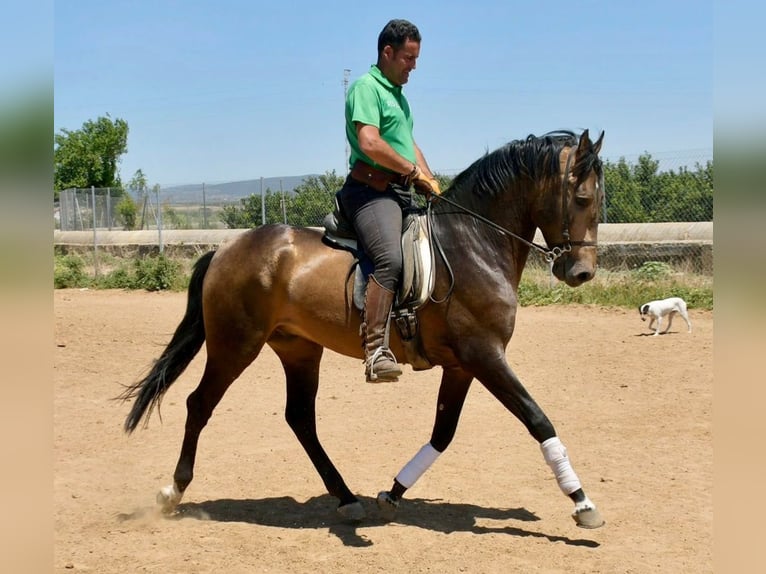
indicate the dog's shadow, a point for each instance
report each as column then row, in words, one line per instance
column 652, row 334
column 319, row 513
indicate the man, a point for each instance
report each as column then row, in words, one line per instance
column 385, row 161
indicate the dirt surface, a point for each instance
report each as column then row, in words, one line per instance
column 634, row 411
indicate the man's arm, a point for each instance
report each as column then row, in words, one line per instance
column 422, row 164
column 377, row 149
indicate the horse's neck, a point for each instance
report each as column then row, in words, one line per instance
column 479, row 245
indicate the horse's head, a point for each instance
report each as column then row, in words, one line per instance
column 577, row 201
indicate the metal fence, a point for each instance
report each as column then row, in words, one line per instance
column 646, row 199
column 192, row 208
column 115, row 209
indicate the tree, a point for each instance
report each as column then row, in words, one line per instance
column 90, row 156
column 314, row 198
column 305, row 206
column 138, row 184
column 623, row 194
column 641, row 193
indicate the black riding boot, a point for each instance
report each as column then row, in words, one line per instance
column 380, row 363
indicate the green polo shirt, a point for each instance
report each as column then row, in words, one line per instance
column 375, row 101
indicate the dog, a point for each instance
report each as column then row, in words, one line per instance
column 656, row 310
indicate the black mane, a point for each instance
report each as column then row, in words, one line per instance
column 533, row 159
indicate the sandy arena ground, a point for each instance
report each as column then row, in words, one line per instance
column 634, row 411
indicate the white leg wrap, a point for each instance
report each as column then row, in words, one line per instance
column 555, row 455
column 420, row 463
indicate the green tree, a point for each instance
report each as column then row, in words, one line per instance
column 641, row 193
column 248, row 213
column 305, row 206
column 623, row 194
column 313, row 199
column 138, row 184
column 90, row 156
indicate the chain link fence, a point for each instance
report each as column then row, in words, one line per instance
column 645, row 189
column 115, row 209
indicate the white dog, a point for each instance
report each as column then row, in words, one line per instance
column 656, row 310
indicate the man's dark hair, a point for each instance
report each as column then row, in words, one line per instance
column 396, row 33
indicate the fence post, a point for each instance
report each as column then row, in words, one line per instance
column 95, row 237
column 159, row 218
column 204, row 208
column 63, row 212
column 109, row 208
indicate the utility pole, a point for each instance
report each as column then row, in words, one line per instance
column 263, row 205
column 346, row 73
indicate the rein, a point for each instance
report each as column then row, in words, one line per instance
column 550, row 254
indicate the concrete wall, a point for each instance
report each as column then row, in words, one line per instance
column 620, row 244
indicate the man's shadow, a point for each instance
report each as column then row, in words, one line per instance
column 319, row 513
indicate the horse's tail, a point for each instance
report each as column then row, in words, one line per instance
column 185, row 344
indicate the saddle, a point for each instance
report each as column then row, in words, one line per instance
column 415, row 285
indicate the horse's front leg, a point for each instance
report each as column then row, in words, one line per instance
column 503, row 383
column 452, row 392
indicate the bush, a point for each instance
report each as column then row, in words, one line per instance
column 653, row 270
column 119, row 278
column 158, row 273
column 127, row 212
column 69, row 271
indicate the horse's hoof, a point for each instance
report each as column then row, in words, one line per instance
column 588, row 518
column 387, row 506
column 168, row 498
column 352, row 512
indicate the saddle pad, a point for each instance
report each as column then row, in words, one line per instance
column 417, row 281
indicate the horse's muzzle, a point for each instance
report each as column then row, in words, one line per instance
column 574, row 272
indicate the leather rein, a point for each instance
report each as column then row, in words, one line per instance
column 552, row 253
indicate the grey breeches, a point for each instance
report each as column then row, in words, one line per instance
column 377, row 220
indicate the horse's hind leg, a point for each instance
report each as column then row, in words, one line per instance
column 220, row 372
column 300, row 359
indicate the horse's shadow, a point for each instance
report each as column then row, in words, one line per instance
column 318, row 513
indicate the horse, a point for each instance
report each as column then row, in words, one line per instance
column 283, row 286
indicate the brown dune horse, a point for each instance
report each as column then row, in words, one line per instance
column 282, row 286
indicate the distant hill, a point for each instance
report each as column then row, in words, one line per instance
column 231, row 192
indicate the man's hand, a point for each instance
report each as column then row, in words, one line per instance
column 423, row 184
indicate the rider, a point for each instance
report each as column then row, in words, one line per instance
column 385, row 162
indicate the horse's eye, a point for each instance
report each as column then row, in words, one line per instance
column 582, row 201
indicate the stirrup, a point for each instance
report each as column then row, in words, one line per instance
column 389, row 376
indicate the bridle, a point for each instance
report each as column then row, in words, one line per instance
column 550, row 254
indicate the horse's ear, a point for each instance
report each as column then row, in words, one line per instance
column 584, row 144
column 597, row 145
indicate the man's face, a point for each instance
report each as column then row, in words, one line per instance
column 397, row 64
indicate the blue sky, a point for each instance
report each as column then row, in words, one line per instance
column 233, row 90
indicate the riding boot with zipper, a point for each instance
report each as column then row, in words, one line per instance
column 380, row 363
